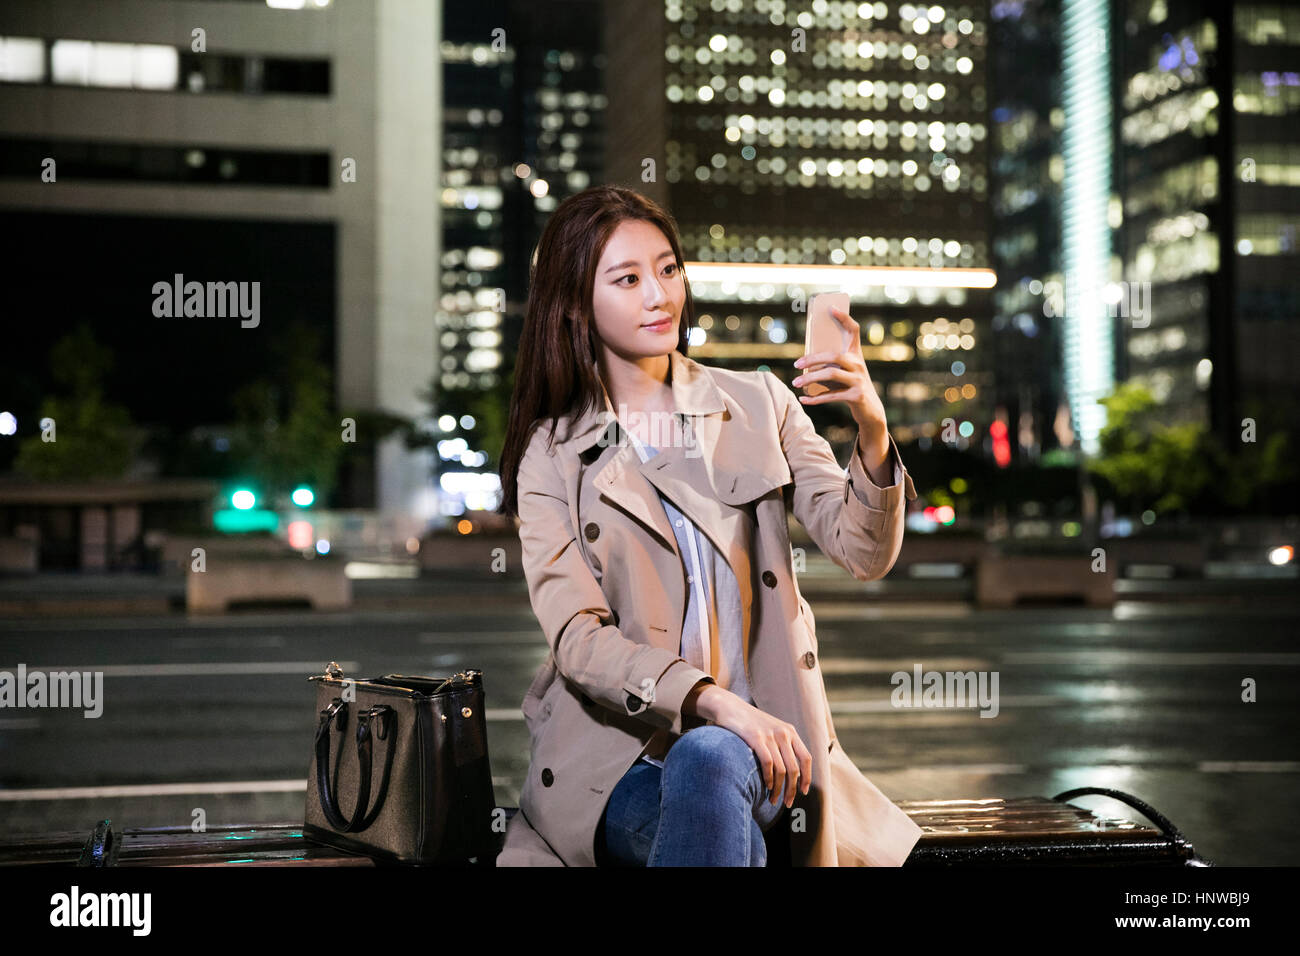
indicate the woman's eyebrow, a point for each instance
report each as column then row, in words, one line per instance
column 632, row 262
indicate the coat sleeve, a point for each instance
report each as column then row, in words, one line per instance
column 855, row 522
column 589, row 650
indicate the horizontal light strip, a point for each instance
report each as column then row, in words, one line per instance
column 154, row 790
column 894, row 352
column 369, row 570
column 845, row 278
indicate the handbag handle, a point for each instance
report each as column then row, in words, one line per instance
column 335, row 713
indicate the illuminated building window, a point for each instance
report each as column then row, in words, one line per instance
column 1177, row 228
column 475, row 54
column 1265, row 23
column 1267, row 234
column 22, row 60
column 1272, row 164
column 129, row 65
column 1193, row 110
column 1268, row 93
column 147, row 66
column 1170, row 261
column 1191, row 184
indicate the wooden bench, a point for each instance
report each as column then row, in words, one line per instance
column 1020, row 831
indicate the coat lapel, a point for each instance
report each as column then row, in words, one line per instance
column 622, row 480
column 619, row 473
column 683, row 479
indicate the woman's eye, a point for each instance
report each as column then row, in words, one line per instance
column 671, row 266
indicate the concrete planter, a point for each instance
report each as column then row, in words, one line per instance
column 470, row 552
column 230, row 578
column 18, row 556
column 1004, row 580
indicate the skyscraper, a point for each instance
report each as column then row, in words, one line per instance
column 1026, row 170
column 842, row 136
column 292, row 144
column 1209, row 169
column 523, row 127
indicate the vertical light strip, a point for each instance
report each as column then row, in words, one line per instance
column 1087, row 346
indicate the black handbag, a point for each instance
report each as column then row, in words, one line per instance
column 410, row 758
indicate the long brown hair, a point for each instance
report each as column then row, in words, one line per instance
column 556, row 372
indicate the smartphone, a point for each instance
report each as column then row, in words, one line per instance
column 823, row 333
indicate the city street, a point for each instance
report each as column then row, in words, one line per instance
column 922, row 373
column 216, row 713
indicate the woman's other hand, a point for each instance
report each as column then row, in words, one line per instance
column 776, row 743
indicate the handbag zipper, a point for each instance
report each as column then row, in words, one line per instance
column 465, row 678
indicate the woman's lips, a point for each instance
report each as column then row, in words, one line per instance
column 662, row 325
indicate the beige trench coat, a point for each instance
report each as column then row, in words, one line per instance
column 608, row 587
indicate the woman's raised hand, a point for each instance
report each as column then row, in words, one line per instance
column 849, row 370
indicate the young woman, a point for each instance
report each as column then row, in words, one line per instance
column 680, row 717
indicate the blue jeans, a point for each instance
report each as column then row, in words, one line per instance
column 708, row 806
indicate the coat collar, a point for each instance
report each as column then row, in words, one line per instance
column 694, row 393
column 725, row 450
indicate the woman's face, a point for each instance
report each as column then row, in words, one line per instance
column 638, row 281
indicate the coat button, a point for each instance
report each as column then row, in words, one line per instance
column 809, row 660
column 634, row 702
column 592, row 531
column 769, row 579
column 548, row 778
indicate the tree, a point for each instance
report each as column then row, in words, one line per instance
column 1153, row 465
column 1172, row 467
column 93, row 439
column 288, row 432
column 1252, row 467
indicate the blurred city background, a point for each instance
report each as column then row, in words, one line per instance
column 1068, row 229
